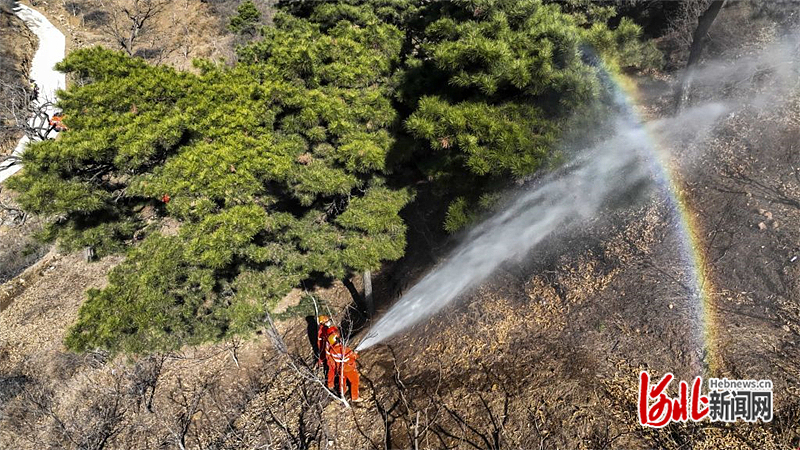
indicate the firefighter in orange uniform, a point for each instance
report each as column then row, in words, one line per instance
column 325, row 329
column 57, row 122
column 342, row 362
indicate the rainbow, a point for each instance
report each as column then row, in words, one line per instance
column 690, row 231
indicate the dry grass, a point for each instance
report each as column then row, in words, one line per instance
column 181, row 31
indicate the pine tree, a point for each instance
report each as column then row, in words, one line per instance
column 492, row 83
column 230, row 186
column 246, row 19
column 274, row 170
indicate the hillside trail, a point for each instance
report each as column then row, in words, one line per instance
column 52, row 48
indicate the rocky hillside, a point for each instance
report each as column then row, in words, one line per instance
column 17, row 44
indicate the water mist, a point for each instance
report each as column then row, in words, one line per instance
column 571, row 195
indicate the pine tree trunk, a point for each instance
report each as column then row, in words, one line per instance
column 368, row 303
column 89, row 254
column 357, row 298
column 698, row 43
column 703, row 26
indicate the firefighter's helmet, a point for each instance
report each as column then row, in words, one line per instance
column 334, row 339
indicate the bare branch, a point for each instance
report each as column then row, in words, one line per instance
column 301, row 368
column 129, row 23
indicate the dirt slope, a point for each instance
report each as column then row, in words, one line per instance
column 179, row 32
column 46, row 300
